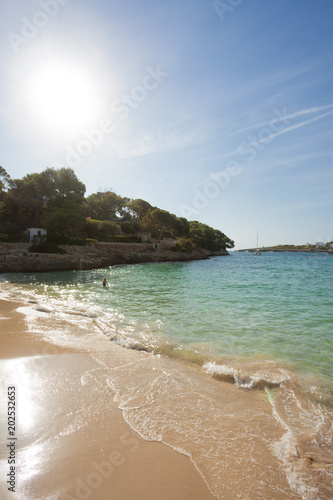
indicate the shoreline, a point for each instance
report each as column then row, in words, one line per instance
column 66, row 449
column 149, row 425
column 286, row 250
column 15, row 258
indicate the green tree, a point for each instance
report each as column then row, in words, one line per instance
column 42, row 199
column 197, row 233
column 206, row 237
column 139, row 208
column 23, row 203
column 4, row 182
column 57, row 186
column 182, row 226
column 106, row 206
column 4, row 179
column 63, row 199
column 101, row 229
column 65, row 220
column 159, row 222
column 55, row 200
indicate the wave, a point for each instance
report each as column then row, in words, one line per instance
column 286, row 428
column 152, row 339
column 243, row 379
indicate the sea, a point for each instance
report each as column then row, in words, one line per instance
column 236, row 360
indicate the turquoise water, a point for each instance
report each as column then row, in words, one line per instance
column 241, row 376
column 278, row 306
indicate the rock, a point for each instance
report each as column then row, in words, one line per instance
column 15, row 258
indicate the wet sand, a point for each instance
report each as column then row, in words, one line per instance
column 72, row 440
column 85, row 403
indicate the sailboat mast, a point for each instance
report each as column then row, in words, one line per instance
column 257, row 252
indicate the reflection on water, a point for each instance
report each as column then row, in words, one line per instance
column 236, row 366
column 279, row 306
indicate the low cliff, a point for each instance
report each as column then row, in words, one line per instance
column 15, row 258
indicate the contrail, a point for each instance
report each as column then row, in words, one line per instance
column 297, row 125
column 284, row 131
column 286, row 117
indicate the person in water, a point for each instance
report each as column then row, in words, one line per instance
column 105, row 282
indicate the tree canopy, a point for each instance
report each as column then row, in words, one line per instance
column 54, row 199
column 4, row 179
column 107, row 206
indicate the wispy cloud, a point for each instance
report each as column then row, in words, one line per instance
column 292, row 160
column 277, row 120
column 294, row 127
column 306, row 205
column 150, row 144
column 285, row 130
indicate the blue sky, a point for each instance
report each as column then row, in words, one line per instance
column 219, row 111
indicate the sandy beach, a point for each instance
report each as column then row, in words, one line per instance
column 72, row 440
column 97, row 420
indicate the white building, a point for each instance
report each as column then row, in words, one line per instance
column 36, row 234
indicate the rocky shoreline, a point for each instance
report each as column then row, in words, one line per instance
column 15, row 257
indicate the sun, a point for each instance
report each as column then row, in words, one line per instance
column 62, row 97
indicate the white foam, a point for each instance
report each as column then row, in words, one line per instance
column 283, row 450
column 224, row 371
column 242, row 379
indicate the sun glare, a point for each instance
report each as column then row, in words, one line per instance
column 62, row 98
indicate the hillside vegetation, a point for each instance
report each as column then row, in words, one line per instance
column 55, row 200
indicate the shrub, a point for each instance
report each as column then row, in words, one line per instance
column 15, row 238
column 183, row 245
column 64, row 240
column 101, row 228
column 57, row 239
column 77, row 241
column 123, row 238
column 46, row 248
column 129, row 227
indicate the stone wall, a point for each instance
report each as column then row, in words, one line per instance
column 14, row 257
